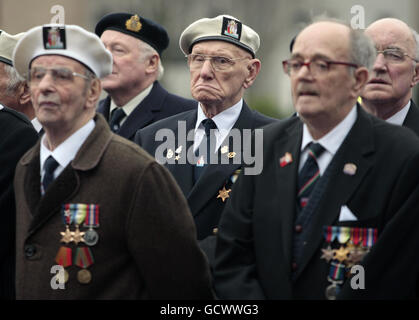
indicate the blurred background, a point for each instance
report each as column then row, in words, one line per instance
column 276, row 21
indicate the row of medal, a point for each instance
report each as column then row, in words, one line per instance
column 353, row 244
column 77, row 214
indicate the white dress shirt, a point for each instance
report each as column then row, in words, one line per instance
column 330, row 142
column 399, row 117
column 67, row 150
column 224, row 120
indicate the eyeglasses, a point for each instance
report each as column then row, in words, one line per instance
column 394, row 55
column 59, row 75
column 196, row 61
column 316, row 66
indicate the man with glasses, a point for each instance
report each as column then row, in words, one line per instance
column 388, row 93
column 221, row 58
column 136, row 97
column 90, row 224
column 338, row 194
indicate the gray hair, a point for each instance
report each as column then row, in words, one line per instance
column 15, row 80
column 362, row 50
column 415, row 36
column 148, row 51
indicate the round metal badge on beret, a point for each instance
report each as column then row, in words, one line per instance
column 84, row 276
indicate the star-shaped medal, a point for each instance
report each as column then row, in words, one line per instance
column 223, row 193
column 78, row 236
column 67, row 236
column 356, row 255
column 341, row 254
column 327, row 254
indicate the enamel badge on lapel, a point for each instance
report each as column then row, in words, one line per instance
column 286, row 159
column 231, row 155
column 349, row 169
column 223, row 194
column 169, row 154
column 177, row 152
column 224, row 149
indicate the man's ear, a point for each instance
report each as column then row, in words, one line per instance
column 361, row 78
column 253, row 69
column 23, row 94
column 415, row 78
column 93, row 93
column 152, row 63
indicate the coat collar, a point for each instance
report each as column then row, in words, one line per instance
column 68, row 182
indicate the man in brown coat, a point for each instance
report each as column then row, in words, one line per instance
column 97, row 218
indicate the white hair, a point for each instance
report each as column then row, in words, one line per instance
column 14, row 80
column 148, row 51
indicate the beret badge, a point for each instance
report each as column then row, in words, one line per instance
column 133, row 24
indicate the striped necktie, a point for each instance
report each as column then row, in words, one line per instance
column 309, row 174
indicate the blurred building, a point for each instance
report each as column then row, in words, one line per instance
column 276, row 22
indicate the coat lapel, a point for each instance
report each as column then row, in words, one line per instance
column 66, row 185
column 286, row 176
column 143, row 114
column 214, row 176
column 183, row 173
column 339, row 187
column 412, row 118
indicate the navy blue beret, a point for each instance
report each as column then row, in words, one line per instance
column 138, row 27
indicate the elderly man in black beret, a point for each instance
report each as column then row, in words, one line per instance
column 136, row 98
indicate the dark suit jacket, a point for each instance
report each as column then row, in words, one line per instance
column 17, row 135
column 412, row 118
column 147, row 247
column 254, row 252
column 202, row 197
column 159, row 104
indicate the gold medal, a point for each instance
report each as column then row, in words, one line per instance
column 223, row 194
column 77, row 235
column 84, row 276
column 67, row 236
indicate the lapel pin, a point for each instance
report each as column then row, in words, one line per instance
column 223, row 194
column 169, row 154
column 349, row 169
column 286, row 159
column 179, row 149
column 177, row 157
column 200, row 162
column 231, row 155
column 224, row 149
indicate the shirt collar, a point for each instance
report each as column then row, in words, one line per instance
column 224, row 120
column 399, row 117
column 130, row 105
column 68, row 149
column 333, row 139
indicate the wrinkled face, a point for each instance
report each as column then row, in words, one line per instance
column 6, row 98
column 59, row 104
column 328, row 92
column 128, row 70
column 391, row 81
column 222, row 88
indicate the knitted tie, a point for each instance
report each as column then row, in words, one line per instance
column 308, row 175
column 50, row 165
column 117, row 115
column 209, row 135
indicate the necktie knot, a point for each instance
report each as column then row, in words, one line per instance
column 316, row 149
column 208, row 125
column 117, row 115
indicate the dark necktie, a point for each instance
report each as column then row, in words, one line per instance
column 50, row 165
column 117, row 115
column 205, row 145
column 308, row 175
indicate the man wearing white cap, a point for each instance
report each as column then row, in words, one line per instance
column 221, row 58
column 90, row 224
column 16, row 137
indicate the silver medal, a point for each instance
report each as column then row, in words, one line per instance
column 91, row 237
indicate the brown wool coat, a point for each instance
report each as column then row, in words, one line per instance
column 147, row 247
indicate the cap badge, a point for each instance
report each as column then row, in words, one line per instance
column 232, row 28
column 54, row 37
column 133, row 24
